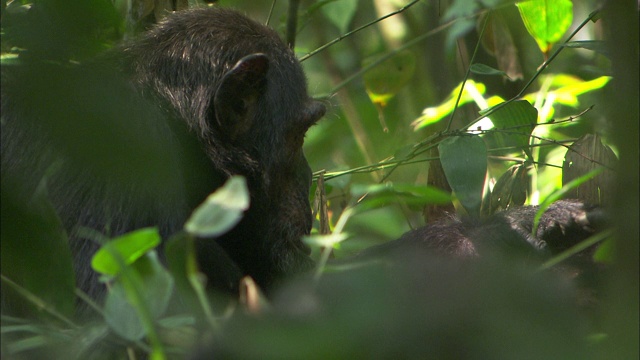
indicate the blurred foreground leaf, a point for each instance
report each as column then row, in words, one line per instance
column 221, row 211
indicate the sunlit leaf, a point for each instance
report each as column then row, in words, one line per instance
column 126, row 249
column 431, row 115
column 567, row 95
column 546, row 20
column 9, row 59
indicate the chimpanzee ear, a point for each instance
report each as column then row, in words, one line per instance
column 235, row 100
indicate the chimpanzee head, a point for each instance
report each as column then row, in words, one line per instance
column 242, row 92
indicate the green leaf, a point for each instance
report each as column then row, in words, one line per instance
column 568, row 93
column 182, row 263
column 35, row 252
column 431, row 115
column 546, row 20
column 464, row 161
column 221, row 211
column 519, row 118
column 157, row 284
column 483, row 69
column 510, row 189
column 147, row 287
column 121, row 316
column 124, row 250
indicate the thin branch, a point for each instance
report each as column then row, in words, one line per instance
column 466, row 75
column 341, row 37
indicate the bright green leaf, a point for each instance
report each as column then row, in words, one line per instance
column 567, row 95
column 546, row 20
column 473, row 91
column 126, row 249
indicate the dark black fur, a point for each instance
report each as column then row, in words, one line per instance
column 206, row 94
column 564, row 224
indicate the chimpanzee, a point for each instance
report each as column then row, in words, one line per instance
column 204, row 95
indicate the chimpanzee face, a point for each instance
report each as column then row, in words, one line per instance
column 278, row 117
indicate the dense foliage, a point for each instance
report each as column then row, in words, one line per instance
column 458, row 106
